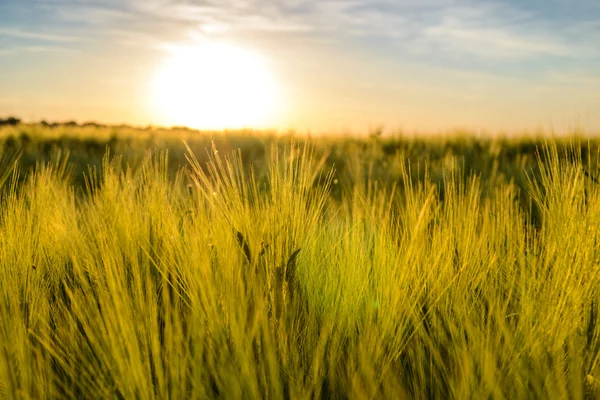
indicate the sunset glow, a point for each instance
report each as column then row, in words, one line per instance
column 214, row 86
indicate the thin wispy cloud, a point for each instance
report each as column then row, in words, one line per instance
column 41, row 36
column 481, row 29
column 455, row 37
column 488, row 29
column 91, row 14
column 15, row 50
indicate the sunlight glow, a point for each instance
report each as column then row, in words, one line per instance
column 215, row 86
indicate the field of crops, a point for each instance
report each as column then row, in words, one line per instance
column 156, row 264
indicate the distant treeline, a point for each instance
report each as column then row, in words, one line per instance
column 14, row 121
column 10, row 121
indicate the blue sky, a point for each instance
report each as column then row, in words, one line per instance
column 346, row 64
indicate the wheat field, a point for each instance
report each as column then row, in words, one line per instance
column 273, row 273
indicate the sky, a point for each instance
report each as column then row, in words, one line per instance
column 332, row 65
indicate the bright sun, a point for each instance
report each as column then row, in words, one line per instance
column 215, row 86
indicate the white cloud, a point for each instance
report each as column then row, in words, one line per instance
column 485, row 29
column 33, row 49
column 43, row 36
column 495, row 42
column 481, row 29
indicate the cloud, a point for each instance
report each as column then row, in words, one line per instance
column 42, row 36
column 92, row 15
column 129, row 38
column 454, row 36
column 214, row 17
column 484, row 29
column 33, row 49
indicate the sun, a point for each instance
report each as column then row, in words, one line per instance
column 215, row 86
